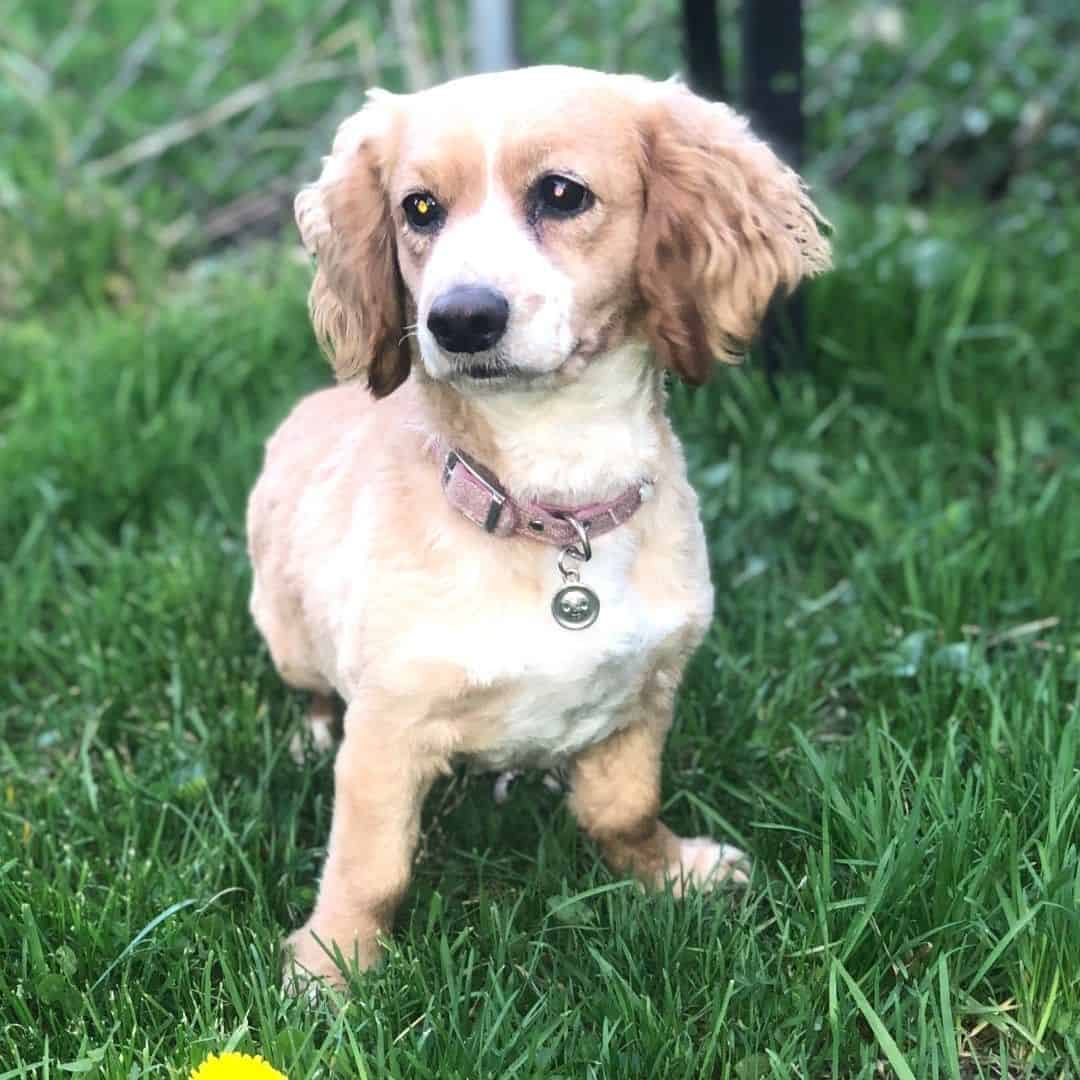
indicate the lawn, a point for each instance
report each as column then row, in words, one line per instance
column 884, row 714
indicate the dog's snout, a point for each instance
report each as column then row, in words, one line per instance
column 468, row 318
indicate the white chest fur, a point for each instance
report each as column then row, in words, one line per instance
column 566, row 689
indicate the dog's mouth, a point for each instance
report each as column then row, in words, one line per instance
column 495, row 372
column 485, row 372
column 500, row 371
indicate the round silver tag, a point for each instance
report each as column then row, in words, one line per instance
column 575, row 607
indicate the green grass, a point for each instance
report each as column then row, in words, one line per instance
column 866, row 717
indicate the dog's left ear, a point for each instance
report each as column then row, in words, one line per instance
column 726, row 226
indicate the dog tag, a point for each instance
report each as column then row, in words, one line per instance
column 575, row 607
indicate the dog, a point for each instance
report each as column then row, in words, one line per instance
column 484, row 540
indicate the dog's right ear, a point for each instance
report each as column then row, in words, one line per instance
column 357, row 298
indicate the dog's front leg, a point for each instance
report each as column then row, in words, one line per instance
column 380, row 781
column 615, row 796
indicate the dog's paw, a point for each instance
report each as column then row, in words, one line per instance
column 704, row 864
column 554, row 780
column 316, row 738
column 312, row 961
column 309, row 745
column 501, row 791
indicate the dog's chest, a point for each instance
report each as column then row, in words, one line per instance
column 561, row 689
column 568, row 689
column 551, row 715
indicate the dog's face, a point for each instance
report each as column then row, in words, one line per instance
column 531, row 220
column 522, row 264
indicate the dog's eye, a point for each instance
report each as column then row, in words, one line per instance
column 422, row 211
column 559, row 196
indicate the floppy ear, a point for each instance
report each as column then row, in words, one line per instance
column 726, row 226
column 357, row 297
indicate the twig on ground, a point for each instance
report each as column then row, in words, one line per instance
column 853, row 154
column 130, row 65
column 65, row 41
column 355, row 33
column 173, row 134
column 235, row 151
column 249, row 213
column 979, row 87
column 1014, row 633
column 217, row 51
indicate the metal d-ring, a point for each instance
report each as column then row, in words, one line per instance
column 580, row 552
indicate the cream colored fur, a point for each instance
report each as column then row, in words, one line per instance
column 439, row 637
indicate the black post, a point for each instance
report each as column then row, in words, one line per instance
column 772, row 52
column 701, row 41
column 772, row 43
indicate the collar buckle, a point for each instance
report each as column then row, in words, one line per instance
column 496, row 495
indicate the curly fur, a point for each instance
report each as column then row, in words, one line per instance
column 726, row 226
column 357, row 299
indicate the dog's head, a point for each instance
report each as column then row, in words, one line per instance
column 531, row 220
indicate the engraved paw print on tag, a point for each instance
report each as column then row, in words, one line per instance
column 575, row 607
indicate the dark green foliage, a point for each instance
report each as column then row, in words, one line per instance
column 922, row 99
column 903, row 100
column 872, row 715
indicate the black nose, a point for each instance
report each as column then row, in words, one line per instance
column 468, row 318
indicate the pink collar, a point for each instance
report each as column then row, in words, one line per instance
column 474, row 492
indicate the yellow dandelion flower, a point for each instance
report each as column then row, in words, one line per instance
column 232, row 1066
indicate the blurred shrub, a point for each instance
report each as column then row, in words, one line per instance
column 912, row 100
column 181, row 124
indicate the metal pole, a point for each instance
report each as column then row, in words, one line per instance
column 492, row 29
